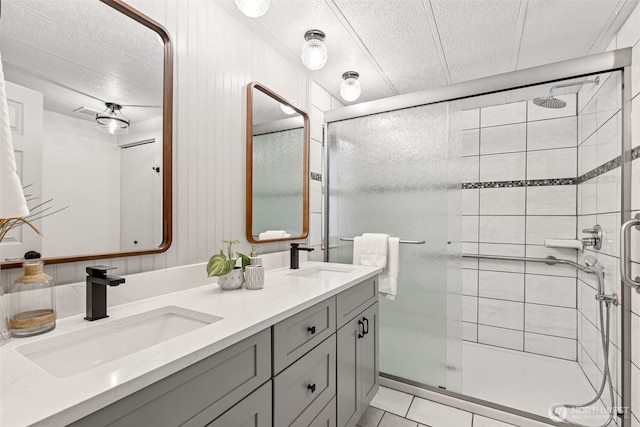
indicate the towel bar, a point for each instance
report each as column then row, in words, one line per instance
column 409, row 242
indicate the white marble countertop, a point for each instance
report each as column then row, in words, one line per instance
column 31, row 396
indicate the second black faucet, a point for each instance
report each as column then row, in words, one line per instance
column 295, row 255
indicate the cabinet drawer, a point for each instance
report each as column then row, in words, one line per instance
column 352, row 301
column 252, row 411
column 197, row 394
column 326, row 418
column 301, row 391
column 298, row 334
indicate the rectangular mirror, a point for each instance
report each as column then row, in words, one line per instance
column 277, row 168
column 89, row 88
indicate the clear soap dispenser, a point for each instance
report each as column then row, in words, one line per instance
column 254, row 272
column 33, row 309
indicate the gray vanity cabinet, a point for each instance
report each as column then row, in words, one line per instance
column 252, row 411
column 357, row 368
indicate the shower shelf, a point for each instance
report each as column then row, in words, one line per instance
column 550, row 260
column 408, row 242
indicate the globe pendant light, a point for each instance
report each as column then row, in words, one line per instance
column 350, row 88
column 253, row 8
column 314, row 52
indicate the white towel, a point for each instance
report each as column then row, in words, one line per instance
column 273, row 234
column 12, row 201
column 388, row 285
column 370, row 249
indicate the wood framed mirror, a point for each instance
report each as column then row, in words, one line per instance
column 111, row 193
column 277, row 183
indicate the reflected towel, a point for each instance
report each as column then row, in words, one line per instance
column 12, row 201
column 273, row 234
column 370, row 249
column 388, row 285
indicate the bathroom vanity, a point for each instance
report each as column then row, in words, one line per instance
column 301, row 352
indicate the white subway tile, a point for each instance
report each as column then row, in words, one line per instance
column 554, row 133
column 536, row 112
column 504, row 250
column 470, row 169
column 540, row 228
column 587, row 120
column 551, row 290
column 500, row 337
column 608, row 99
column 469, row 309
column 315, row 156
column 608, row 194
column 470, row 331
column 588, row 155
column 609, row 140
column 503, row 314
column 469, row 282
column 470, row 201
column 502, row 167
column 503, row 139
column 554, row 200
column 471, row 119
column 315, row 196
column 535, row 251
column 502, row 229
column 315, row 229
column 587, row 197
column 501, row 285
column 550, row 346
column 469, row 228
column 610, row 224
column 556, row 163
column 502, row 201
column 590, row 338
column 503, row 114
column 471, row 142
column 547, row 320
column 316, row 119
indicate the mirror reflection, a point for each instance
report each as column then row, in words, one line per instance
column 277, row 156
column 85, row 88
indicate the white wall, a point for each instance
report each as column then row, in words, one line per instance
column 81, row 170
column 215, row 58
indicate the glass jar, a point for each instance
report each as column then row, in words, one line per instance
column 33, row 309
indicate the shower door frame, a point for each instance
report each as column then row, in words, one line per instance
column 616, row 60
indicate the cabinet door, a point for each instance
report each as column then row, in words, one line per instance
column 252, row 411
column 369, row 366
column 348, row 402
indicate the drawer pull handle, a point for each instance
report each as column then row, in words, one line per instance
column 361, row 332
column 366, row 327
column 312, row 387
column 311, row 330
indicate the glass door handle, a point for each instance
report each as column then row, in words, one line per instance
column 625, row 256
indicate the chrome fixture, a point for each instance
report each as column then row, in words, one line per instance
column 551, row 102
column 295, row 255
column 409, row 242
column 253, row 8
column 97, row 282
column 625, row 256
column 314, row 52
column 350, row 88
column 595, row 241
column 111, row 120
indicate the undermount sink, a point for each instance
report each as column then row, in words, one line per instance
column 75, row 352
column 323, row 273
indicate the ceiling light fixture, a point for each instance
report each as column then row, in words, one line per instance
column 287, row 110
column 314, row 52
column 253, row 8
column 350, row 88
column 111, row 120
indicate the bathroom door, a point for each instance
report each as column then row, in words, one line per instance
column 396, row 173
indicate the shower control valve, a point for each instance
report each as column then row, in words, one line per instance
column 595, row 240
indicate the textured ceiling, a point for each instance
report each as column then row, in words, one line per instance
column 64, row 50
column 402, row 46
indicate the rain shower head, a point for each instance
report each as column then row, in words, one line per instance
column 551, row 102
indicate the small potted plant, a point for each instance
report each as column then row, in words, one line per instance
column 224, row 266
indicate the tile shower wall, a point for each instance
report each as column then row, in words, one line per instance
column 519, row 170
column 599, row 129
column 210, row 76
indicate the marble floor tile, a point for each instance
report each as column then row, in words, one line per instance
column 371, row 417
column 480, row 421
column 437, row 415
column 391, row 420
column 392, row 401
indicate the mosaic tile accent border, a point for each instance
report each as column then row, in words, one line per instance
column 316, row 176
column 602, row 169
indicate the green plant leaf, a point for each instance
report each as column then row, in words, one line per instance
column 245, row 260
column 231, row 242
column 219, row 265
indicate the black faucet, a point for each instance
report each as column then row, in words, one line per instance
column 295, row 256
column 97, row 282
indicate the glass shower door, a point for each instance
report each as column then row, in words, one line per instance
column 398, row 173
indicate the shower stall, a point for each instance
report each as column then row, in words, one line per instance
column 493, row 187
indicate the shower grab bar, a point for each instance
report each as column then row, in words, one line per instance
column 550, row 260
column 408, row 242
column 625, row 255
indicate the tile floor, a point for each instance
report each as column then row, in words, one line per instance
column 391, row 408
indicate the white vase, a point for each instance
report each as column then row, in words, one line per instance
column 232, row 280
